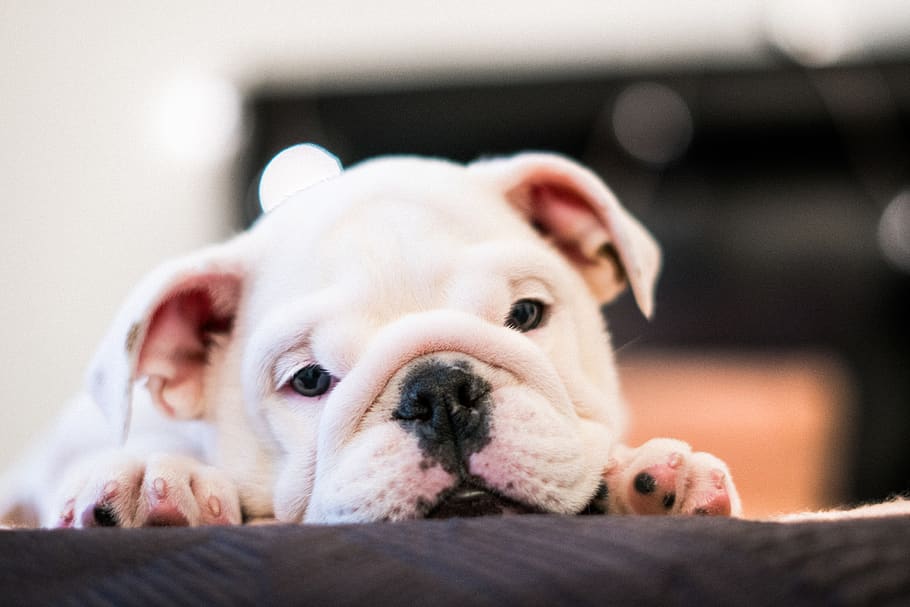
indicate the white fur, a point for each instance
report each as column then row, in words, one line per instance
column 395, row 262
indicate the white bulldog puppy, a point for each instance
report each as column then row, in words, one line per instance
column 407, row 338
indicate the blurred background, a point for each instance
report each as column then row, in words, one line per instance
column 766, row 145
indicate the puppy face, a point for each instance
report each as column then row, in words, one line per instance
column 413, row 338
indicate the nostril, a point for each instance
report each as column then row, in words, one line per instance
column 421, row 408
column 466, row 394
column 415, row 406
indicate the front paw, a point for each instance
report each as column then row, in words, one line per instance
column 664, row 476
column 120, row 490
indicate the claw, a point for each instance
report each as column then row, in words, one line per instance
column 718, row 477
column 214, row 506
column 68, row 516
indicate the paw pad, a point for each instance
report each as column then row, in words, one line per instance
column 102, row 513
column 99, row 515
column 654, row 490
column 645, row 483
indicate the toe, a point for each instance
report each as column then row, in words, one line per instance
column 709, row 495
column 163, row 511
column 166, row 515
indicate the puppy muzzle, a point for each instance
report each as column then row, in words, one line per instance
column 424, row 334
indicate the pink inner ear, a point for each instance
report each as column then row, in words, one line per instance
column 565, row 216
column 176, row 348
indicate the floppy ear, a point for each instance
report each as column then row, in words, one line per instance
column 575, row 209
column 164, row 332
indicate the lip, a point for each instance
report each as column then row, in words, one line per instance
column 470, row 500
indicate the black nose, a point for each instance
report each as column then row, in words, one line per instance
column 446, row 405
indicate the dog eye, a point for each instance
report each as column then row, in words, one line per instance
column 525, row 315
column 312, row 380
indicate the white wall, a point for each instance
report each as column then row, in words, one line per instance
column 91, row 200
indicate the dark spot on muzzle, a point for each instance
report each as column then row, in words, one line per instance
column 447, row 406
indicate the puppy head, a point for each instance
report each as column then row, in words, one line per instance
column 411, row 338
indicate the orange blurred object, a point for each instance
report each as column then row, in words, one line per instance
column 779, row 420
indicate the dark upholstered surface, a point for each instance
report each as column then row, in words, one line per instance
column 526, row 560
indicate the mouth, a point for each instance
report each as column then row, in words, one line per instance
column 469, row 500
